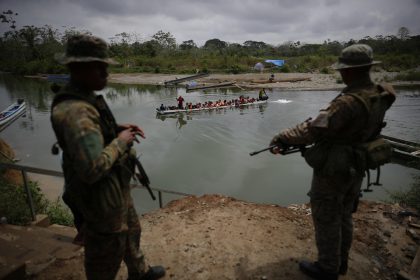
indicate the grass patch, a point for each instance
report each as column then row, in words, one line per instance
column 14, row 206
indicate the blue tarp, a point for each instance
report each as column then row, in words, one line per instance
column 277, row 62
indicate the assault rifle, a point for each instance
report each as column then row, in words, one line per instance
column 283, row 148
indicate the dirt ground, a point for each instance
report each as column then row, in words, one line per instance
column 217, row 237
column 253, row 80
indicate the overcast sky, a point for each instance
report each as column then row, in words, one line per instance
column 271, row 21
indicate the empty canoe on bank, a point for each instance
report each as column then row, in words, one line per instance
column 180, row 80
column 291, row 80
column 404, row 150
column 211, row 86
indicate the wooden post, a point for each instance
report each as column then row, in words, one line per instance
column 415, row 266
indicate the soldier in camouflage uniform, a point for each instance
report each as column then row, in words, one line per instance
column 338, row 162
column 98, row 165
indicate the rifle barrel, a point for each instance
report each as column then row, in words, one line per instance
column 263, row 150
column 284, row 151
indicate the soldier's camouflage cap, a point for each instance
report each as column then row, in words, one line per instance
column 85, row 48
column 356, row 55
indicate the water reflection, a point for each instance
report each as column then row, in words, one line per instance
column 181, row 118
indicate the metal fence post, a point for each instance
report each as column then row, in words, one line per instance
column 28, row 194
column 160, row 199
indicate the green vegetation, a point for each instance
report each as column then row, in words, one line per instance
column 15, row 208
column 31, row 50
column 410, row 198
column 409, row 76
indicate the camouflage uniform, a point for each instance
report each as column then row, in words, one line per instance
column 338, row 164
column 97, row 169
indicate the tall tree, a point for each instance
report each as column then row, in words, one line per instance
column 215, row 44
column 403, row 33
column 188, row 45
column 165, row 39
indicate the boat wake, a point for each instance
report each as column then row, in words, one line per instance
column 282, row 101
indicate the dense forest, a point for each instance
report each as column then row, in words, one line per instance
column 31, row 50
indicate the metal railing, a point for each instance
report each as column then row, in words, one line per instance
column 28, row 169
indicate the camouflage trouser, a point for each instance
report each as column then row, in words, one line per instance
column 104, row 252
column 332, row 203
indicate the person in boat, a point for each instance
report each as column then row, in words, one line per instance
column 162, row 108
column 180, row 100
column 352, row 121
column 98, row 163
column 262, row 95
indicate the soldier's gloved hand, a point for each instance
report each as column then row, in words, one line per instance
column 279, row 144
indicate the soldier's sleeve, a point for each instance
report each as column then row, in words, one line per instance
column 85, row 144
column 329, row 122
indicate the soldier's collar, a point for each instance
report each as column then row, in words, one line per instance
column 82, row 92
column 357, row 85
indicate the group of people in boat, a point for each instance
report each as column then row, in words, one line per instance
column 236, row 102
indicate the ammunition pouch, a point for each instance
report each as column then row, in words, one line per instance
column 377, row 152
column 317, row 155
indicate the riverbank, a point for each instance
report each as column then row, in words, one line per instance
column 218, row 237
column 313, row 81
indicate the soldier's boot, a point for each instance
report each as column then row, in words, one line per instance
column 343, row 267
column 154, row 273
column 315, row 271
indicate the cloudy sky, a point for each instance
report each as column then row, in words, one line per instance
column 271, row 21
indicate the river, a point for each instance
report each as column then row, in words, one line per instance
column 207, row 152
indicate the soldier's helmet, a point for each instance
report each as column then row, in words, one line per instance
column 85, row 48
column 357, row 55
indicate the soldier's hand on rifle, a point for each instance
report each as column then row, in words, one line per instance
column 127, row 136
column 278, row 143
column 133, row 127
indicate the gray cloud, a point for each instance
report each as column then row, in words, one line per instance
column 271, row 21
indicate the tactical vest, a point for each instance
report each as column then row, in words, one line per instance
column 376, row 104
column 352, row 148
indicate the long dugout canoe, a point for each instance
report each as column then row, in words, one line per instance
column 180, row 80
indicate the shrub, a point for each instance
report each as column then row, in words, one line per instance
column 235, row 69
column 59, row 213
column 14, row 206
column 326, row 70
column 285, row 69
